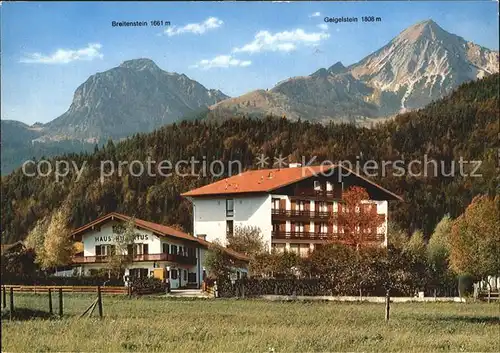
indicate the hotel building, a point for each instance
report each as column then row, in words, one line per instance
column 293, row 207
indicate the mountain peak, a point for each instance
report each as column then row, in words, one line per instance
column 337, row 68
column 424, row 29
column 140, row 64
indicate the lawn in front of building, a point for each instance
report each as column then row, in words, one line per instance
column 153, row 324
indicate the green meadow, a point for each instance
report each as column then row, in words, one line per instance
column 155, row 324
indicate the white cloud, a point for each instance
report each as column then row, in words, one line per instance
column 222, row 61
column 196, row 28
column 323, row 26
column 315, row 14
column 281, row 41
column 64, row 56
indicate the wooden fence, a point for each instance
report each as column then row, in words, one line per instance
column 488, row 295
column 66, row 289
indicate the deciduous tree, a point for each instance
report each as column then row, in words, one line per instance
column 475, row 239
column 357, row 219
column 58, row 245
column 120, row 258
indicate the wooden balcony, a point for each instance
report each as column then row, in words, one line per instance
column 301, row 235
column 318, row 194
column 180, row 259
column 304, row 214
column 297, row 235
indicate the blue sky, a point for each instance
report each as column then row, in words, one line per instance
column 49, row 49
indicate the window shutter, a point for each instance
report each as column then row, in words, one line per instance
column 145, row 248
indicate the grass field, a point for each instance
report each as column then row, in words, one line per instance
column 175, row 325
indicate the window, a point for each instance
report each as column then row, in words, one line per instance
column 105, row 250
column 317, row 185
column 276, row 204
column 304, row 250
column 140, row 249
column 174, row 249
column 229, row 207
column 294, row 248
column 279, row 248
column 174, row 274
column 185, row 275
column 165, row 248
column 138, row 272
column 229, row 228
column 191, row 252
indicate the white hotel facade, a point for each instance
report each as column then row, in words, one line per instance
column 292, row 207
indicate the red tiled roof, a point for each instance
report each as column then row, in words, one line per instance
column 267, row 180
column 7, row 247
column 261, row 180
column 158, row 229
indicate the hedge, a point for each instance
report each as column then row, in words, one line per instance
column 147, row 285
column 304, row 287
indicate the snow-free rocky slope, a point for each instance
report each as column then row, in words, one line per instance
column 423, row 63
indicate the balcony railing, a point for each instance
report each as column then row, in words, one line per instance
column 301, row 235
column 297, row 235
column 319, row 193
column 181, row 259
column 301, row 213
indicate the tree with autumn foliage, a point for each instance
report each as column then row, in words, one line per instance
column 357, row 219
column 475, row 239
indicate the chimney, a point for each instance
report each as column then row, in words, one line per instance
column 294, row 165
column 202, row 236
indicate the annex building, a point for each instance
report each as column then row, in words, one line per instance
column 157, row 251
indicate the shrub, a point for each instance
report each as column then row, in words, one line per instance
column 147, row 285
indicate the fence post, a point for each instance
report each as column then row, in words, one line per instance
column 50, row 302
column 387, row 304
column 99, row 300
column 4, row 297
column 11, row 302
column 60, row 302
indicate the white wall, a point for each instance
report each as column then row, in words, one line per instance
column 106, row 236
column 382, row 208
column 210, row 216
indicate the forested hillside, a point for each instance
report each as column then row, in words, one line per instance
column 462, row 125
